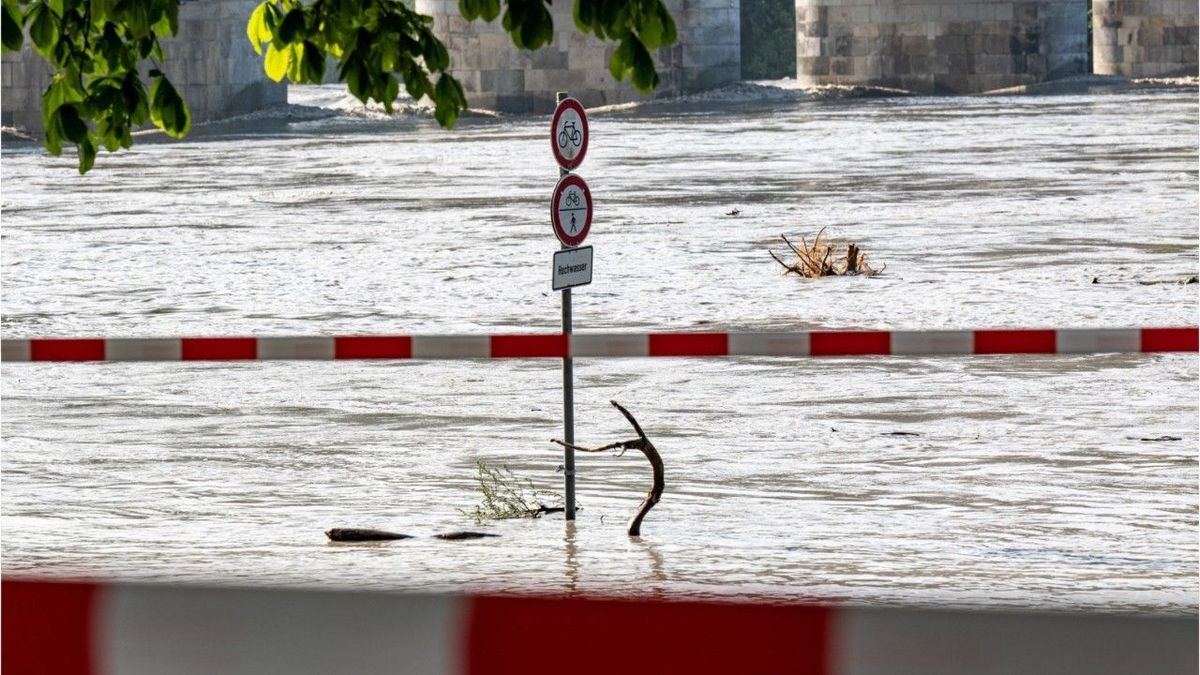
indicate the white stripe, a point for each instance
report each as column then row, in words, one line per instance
column 888, row 641
column 14, row 350
column 917, row 342
column 1097, row 341
column 311, row 348
column 770, row 344
column 610, row 344
column 148, row 630
column 451, row 347
column 126, row 349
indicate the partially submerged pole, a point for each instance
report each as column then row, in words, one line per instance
column 568, row 392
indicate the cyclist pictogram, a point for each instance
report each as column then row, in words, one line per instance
column 569, row 134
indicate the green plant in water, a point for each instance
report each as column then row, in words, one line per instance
column 505, row 495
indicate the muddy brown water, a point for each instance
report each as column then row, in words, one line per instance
column 1018, row 481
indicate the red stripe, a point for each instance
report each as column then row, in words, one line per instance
column 372, row 347
column 46, row 627
column 1170, row 339
column 689, row 344
column 1015, row 342
column 219, row 349
column 848, row 343
column 628, row 636
column 517, row 346
column 66, row 350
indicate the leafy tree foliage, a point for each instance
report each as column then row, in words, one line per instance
column 99, row 48
column 96, row 48
column 768, row 39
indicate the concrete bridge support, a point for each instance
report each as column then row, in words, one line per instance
column 498, row 76
column 1145, row 38
column 210, row 61
column 940, row 46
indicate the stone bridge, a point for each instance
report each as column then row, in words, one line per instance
column 925, row 46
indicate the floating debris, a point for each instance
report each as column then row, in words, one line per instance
column 360, row 534
column 458, row 536
column 507, row 496
column 823, row 260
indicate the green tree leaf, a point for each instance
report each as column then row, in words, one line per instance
column 43, row 29
column 489, row 10
column 12, row 29
column 291, row 29
column 296, row 62
column 87, row 155
column 168, row 110
column 74, row 129
column 314, row 63
column 645, row 77
column 620, row 64
column 256, row 28
column 446, row 95
column 276, row 62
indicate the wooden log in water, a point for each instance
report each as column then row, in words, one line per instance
column 459, row 536
column 360, row 534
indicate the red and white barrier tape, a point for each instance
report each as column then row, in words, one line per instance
column 557, row 345
column 91, row 629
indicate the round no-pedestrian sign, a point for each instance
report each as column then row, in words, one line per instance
column 571, row 210
column 569, row 133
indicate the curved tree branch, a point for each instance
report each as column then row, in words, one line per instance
column 656, row 465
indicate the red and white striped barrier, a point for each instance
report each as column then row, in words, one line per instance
column 90, row 629
column 557, row 345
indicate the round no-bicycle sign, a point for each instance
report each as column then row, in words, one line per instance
column 569, row 133
column 571, row 210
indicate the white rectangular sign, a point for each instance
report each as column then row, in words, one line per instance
column 572, row 267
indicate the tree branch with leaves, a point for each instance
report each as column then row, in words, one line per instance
column 98, row 49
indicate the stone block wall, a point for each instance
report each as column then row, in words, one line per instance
column 210, row 61
column 1145, row 38
column 498, row 76
column 940, row 46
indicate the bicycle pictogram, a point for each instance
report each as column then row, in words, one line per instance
column 572, row 198
column 569, row 134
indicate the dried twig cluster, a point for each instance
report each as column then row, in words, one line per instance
column 507, row 496
column 822, row 260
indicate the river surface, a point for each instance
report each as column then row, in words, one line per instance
column 1019, row 481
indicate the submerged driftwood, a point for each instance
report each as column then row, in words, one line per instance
column 459, row 536
column 360, row 534
column 656, row 465
column 822, row 260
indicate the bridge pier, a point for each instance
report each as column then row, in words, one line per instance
column 1147, row 38
column 939, row 46
column 498, row 76
column 210, row 61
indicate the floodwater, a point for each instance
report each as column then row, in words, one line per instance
column 1020, row 481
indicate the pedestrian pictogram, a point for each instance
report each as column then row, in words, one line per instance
column 571, row 210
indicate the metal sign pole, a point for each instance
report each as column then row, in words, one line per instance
column 568, row 390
